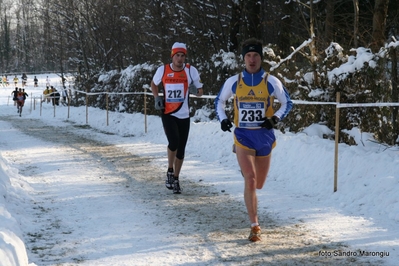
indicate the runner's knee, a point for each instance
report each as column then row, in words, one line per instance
column 250, row 181
column 172, row 146
column 180, row 155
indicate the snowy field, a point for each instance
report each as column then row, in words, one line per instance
column 90, row 194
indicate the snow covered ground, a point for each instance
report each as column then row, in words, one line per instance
column 90, row 194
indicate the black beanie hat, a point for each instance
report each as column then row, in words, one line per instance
column 252, row 48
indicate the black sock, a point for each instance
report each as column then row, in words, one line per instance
column 177, row 178
column 170, row 170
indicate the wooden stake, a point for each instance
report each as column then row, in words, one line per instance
column 336, row 143
column 87, row 107
column 106, row 103
column 145, row 111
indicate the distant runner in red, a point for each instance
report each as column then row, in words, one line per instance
column 177, row 80
column 20, row 100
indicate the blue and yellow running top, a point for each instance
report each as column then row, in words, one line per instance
column 253, row 98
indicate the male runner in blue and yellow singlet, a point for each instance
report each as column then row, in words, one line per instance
column 253, row 92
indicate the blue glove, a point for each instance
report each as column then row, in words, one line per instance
column 159, row 103
column 192, row 89
column 226, row 125
column 270, row 122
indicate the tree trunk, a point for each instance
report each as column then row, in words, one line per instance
column 395, row 95
column 253, row 8
column 313, row 52
column 234, row 26
column 329, row 33
column 356, row 23
column 379, row 23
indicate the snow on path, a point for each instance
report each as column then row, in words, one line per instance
column 92, row 203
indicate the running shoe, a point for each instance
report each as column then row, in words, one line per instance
column 255, row 234
column 176, row 187
column 170, row 178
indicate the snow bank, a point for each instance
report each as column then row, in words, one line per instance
column 12, row 247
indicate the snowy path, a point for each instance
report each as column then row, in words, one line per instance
column 83, row 208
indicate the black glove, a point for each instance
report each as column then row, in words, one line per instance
column 192, row 89
column 270, row 122
column 159, row 103
column 226, row 125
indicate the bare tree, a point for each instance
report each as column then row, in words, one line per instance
column 5, row 44
column 356, row 22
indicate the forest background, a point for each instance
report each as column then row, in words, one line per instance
column 304, row 42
